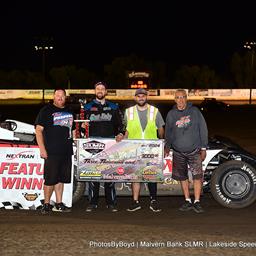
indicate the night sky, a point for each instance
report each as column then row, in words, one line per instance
column 90, row 34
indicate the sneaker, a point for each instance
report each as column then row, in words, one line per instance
column 60, row 207
column 91, row 207
column 187, row 206
column 134, row 206
column 198, row 208
column 46, row 209
column 154, row 206
column 112, row 208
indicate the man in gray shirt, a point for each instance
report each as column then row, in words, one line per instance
column 143, row 121
column 186, row 133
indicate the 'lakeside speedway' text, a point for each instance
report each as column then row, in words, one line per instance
column 171, row 244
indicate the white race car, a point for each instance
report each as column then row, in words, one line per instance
column 230, row 171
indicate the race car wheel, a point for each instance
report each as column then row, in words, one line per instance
column 78, row 190
column 233, row 184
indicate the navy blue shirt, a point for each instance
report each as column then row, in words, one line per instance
column 106, row 120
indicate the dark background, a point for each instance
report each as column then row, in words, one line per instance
column 92, row 33
column 163, row 35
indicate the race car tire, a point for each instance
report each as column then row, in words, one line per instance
column 233, row 184
column 78, row 190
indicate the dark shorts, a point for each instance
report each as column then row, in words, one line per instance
column 57, row 169
column 185, row 162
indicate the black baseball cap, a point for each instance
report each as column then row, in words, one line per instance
column 141, row 91
column 101, row 83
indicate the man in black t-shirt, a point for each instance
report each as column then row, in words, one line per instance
column 54, row 130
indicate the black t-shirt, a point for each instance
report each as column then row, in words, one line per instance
column 58, row 124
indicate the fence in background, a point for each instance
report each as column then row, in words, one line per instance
column 128, row 94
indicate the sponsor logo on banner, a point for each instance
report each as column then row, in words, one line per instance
column 170, row 181
column 120, row 170
column 93, row 147
column 149, row 174
column 118, row 177
column 23, row 155
column 30, row 197
column 88, row 174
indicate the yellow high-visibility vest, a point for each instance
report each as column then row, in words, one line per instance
column 134, row 126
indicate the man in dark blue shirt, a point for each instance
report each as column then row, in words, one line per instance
column 105, row 121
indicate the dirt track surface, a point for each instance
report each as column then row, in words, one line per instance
column 169, row 232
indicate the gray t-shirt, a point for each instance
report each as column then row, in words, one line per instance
column 186, row 129
column 143, row 119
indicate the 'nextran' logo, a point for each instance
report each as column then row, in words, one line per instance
column 21, row 155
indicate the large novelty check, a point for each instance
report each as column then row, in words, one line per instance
column 125, row 161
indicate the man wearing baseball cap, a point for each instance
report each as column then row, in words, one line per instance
column 143, row 121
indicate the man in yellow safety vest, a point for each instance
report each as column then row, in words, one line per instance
column 143, row 121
